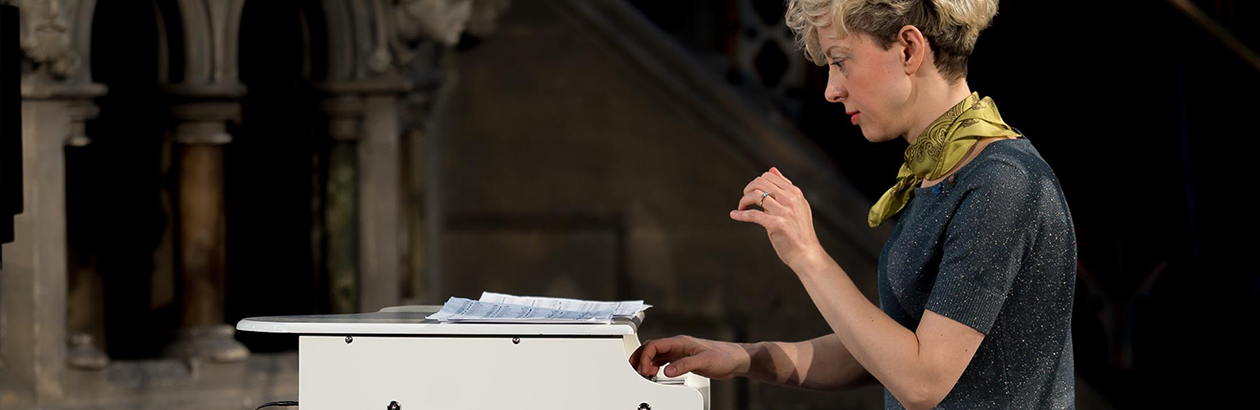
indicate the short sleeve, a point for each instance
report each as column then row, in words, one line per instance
column 985, row 245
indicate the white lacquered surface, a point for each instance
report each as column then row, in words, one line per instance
column 410, row 320
column 372, row 359
column 481, row 373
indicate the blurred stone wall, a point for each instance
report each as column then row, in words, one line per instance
column 563, row 170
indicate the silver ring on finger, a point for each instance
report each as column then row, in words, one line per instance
column 762, row 203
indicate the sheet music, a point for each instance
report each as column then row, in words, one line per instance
column 627, row 308
column 502, row 308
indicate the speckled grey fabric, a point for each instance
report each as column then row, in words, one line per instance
column 993, row 248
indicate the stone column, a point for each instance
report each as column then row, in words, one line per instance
column 56, row 99
column 383, row 240
column 339, row 218
column 85, row 291
column 33, row 314
column 201, row 114
column 420, row 206
column 365, row 232
column 32, row 320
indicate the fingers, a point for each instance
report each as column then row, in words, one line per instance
column 790, row 191
column 644, row 356
column 654, row 353
column 763, row 183
column 769, row 203
column 680, row 366
column 773, row 182
column 776, row 171
column 777, row 177
column 650, row 366
column 760, row 218
column 634, row 357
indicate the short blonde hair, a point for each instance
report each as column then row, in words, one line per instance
column 950, row 26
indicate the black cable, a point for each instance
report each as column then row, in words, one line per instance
column 278, row 403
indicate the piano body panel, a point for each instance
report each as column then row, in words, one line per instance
column 482, row 372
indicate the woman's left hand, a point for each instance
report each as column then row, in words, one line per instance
column 786, row 216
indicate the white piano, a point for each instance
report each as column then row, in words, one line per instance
column 395, row 359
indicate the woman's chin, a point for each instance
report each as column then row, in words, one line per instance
column 873, row 136
column 877, row 137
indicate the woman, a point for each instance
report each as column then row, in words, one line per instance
column 977, row 278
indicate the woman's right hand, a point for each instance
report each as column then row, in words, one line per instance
column 708, row 358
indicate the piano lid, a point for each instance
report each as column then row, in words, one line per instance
column 410, row 320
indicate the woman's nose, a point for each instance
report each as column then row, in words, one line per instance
column 834, row 92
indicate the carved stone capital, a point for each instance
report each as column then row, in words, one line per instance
column 47, row 34
column 204, row 122
column 441, row 22
column 344, row 102
column 345, row 113
column 433, row 20
column 385, row 85
column 81, row 111
column 485, row 16
column 201, row 112
column 200, row 92
column 41, row 86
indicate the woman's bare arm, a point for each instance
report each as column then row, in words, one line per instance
column 918, row 367
column 822, row 363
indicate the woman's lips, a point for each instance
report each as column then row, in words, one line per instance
column 855, row 117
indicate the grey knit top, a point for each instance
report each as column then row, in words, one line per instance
column 992, row 247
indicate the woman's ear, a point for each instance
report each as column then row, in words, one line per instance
column 914, row 48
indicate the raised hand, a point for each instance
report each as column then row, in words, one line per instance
column 785, row 214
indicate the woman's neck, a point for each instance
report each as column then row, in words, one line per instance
column 933, row 100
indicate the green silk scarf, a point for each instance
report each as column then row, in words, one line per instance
column 941, row 146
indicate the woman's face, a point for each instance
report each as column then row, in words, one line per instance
column 869, row 81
